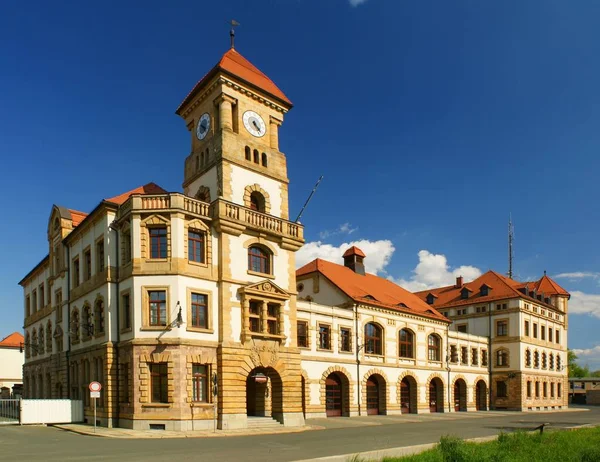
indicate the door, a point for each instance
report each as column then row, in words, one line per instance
column 372, row 397
column 405, row 397
column 432, row 397
column 480, row 399
column 333, row 396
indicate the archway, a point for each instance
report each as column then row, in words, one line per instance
column 436, row 395
column 264, row 393
column 336, row 395
column 376, row 401
column 408, row 395
column 460, row 396
column 481, row 396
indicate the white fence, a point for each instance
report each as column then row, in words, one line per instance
column 51, row 411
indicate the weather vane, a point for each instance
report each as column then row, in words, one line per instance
column 233, row 24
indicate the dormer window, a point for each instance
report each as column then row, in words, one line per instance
column 369, row 297
column 431, row 298
column 464, row 293
column 485, row 290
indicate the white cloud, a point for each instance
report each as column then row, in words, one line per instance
column 582, row 303
column 578, row 275
column 589, row 356
column 345, row 228
column 356, row 2
column 433, row 271
column 378, row 253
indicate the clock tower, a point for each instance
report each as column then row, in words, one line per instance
column 233, row 115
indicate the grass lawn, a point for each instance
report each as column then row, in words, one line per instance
column 581, row 445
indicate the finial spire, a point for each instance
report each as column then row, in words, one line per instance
column 511, row 235
column 233, row 23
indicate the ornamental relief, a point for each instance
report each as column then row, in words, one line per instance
column 264, row 355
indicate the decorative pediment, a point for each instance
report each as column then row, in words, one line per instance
column 265, row 288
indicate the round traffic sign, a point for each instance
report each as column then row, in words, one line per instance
column 95, row 386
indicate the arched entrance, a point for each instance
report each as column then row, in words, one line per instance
column 436, row 395
column 264, row 393
column 336, row 395
column 460, row 396
column 408, row 395
column 375, row 387
column 481, row 396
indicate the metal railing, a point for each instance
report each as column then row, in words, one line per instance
column 9, row 411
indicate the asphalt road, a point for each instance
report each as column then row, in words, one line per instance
column 343, row 436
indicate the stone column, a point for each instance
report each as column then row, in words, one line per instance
column 245, row 318
column 264, row 314
column 274, row 125
column 225, row 103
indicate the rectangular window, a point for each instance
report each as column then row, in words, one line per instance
column 462, row 328
column 501, row 389
column 34, row 300
column 159, row 382
column 302, row 332
column 529, row 389
column 464, row 355
column 453, row 354
column 158, row 307
column 76, row 272
column 502, row 328
column 126, row 247
column 535, row 330
column 474, row 357
column 543, row 332
column 41, row 296
column 484, row 358
column 537, row 389
column 559, row 389
column 550, row 332
column 100, row 256
column 545, row 388
column 526, row 328
column 255, row 316
column 126, row 311
column 158, row 242
column 199, row 311
column 196, row 246
column 552, row 390
column 27, row 306
column 345, row 339
column 557, row 336
column 273, row 319
column 87, row 260
column 324, row 337
column 59, row 312
column 200, row 383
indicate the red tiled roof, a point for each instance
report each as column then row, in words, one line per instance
column 14, row 340
column 235, row 64
column 354, row 251
column 370, row 289
column 77, row 216
column 546, row 286
column 500, row 286
column 150, row 188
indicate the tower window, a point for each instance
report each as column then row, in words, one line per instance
column 158, row 242
column 257, row 202
column 264, row 160
column 248, row 154
column 259, row 260
column 256, row 156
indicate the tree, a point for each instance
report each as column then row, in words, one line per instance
column 575, row 370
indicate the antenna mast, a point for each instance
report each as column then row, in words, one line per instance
column 511, row 237
column 309, row 198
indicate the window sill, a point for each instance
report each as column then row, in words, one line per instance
column 267, row 336
column 200, row 330
column 156, row 260
column 201, row 404
column 264, row 275
column 328, row 350
column 158, row 405
column 406, row 358
column 198, row 263
column 434, row 361
column 304, row 347
column 345, row 352
column 154, row 328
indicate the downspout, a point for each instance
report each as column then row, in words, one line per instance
column 357, row 357
column 490, row 356
column 68, row 320
column 118, row 322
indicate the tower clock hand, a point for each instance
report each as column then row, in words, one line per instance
column 255, row 125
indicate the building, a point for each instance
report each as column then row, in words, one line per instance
column 184, row 306
column 584, row 390
column 11, row 372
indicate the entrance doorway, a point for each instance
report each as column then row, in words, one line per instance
column 408, row 395
column 375, row 387
column 481, row 396
column 264, row 393
column 460, row 396
column 336, row 391
column 436, row 395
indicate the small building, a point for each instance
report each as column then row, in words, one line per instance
column 584, row 390
column 11, row 372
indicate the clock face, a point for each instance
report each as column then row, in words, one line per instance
column 203, row 126
column 254, row 124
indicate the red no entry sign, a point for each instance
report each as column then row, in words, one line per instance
column 95, row 386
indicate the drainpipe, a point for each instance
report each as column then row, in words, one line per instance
column 114, row 228
column 68, row 355
column 448, row 367
column 490, row 356
column 357, row 357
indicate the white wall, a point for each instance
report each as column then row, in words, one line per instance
column 11, row 367
column 240, row 178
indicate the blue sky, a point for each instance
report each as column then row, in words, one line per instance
column 431, row 121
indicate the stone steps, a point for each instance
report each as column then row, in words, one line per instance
column 262, row 422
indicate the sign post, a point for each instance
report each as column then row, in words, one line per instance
column 95, row 388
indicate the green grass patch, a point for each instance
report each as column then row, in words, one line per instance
column 581, row 445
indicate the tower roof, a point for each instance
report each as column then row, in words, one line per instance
column 354, row 251
column 234, row 64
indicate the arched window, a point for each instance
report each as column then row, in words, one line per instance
column 99, row 317
column 256, row 156
column 373, row 339
column 49, row 337
column 87, row 321
column 248, row 153
column 406, row 341
column 536, row 359
column 558, row 364
column 527, row 358
column 34, row 343
column 75, row 325
column 264, row 160
column 259, row 260
column 501, row 358
column 434, row 344
column 257, row 202
column 551, row 362
column 41, row 342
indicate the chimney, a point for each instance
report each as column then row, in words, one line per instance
column 459, row 282
column 353, row 259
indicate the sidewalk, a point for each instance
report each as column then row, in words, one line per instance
column 88, row 430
